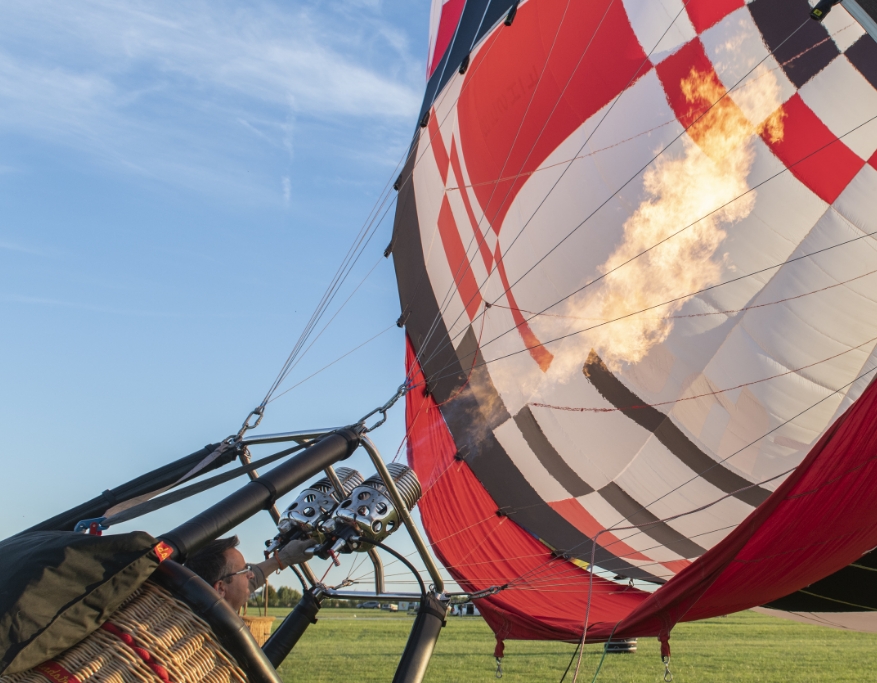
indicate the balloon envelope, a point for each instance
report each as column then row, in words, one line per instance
column 635, row 258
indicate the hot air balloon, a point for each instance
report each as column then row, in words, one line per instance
column 634, row 243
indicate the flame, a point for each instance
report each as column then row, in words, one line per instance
column 695, row 195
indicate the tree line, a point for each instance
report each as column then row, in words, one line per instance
column 284, row 596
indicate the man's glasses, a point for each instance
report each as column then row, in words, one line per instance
column 246, row 570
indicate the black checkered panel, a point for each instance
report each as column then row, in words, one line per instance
column 802, row 46
column 863, row 56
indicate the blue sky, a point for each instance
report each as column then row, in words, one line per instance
column 178, row 183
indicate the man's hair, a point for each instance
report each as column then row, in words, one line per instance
column 210, row 562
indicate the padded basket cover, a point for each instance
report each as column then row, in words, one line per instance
column 57, row 587
column 152, row 638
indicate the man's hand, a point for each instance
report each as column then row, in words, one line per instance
column 294, row 552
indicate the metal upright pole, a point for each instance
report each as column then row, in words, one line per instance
column 292, row 628
column 421, row 643
column 378, row 567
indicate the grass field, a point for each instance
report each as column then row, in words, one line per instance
column 365, row 645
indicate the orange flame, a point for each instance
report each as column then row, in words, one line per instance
column 691, row 199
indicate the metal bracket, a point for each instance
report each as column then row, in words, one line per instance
column 302, row 436
column 244, row 457
column 368, row 595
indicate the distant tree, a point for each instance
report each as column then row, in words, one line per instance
column 257, row 599
column 285, row 597
column 272, row 595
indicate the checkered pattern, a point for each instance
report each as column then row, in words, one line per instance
column 827, row 78
column 827, row 74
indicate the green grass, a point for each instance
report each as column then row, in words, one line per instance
column 365, row 645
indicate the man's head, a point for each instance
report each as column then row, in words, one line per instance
column 221, row 565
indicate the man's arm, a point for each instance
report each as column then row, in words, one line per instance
column 292, row 553
column 261, row 570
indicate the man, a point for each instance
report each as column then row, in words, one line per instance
column 222, row 565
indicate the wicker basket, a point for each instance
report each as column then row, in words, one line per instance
column 152, row 638
column 260, row 627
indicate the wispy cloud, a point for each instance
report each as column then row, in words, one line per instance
column 157, row 86
column 287, row 188
column 109, row 310
column 9, row 246
column 267, row 53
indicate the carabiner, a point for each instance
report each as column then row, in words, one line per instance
column 668, row 677
column 259, row 412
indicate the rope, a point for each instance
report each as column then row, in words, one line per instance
column 329, row 365
column 344, row 270
column 350, row 259
column 602, row 658
column 340, row 308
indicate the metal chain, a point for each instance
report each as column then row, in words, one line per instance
column 400, row 392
